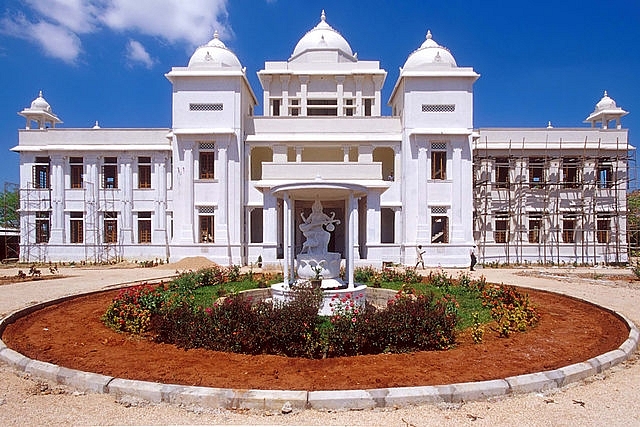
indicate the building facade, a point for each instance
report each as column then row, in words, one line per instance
column 233, row 187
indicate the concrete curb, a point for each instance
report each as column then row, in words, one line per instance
column 275, row 400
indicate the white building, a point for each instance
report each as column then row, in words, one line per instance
column 230, row 186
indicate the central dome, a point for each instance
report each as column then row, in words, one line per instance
column 322, row 37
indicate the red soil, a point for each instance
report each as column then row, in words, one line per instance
column 71, row 334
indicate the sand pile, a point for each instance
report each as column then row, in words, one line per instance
column 190, row 263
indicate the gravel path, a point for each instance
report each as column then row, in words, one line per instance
column 606, row 399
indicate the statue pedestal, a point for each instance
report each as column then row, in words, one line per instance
column 328, row 263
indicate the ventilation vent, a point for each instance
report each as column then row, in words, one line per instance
column 438, row 209
column 438, row 108
column 205, row 107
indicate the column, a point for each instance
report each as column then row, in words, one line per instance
column 183, row 196
column 422, row 229
column 351, row 224
column 373, row 218
column 287, row 239
column 459, row 180
column 126, row 229
column 304, row 80
column 345, row 153
column 57, row 200
column 265, row 95
column 359, row 106
column 340, row 94
column 221, row 235
column 284, row 80
column 270, row 221
column 160, row 213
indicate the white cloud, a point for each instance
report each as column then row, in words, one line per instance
column 56, row 41
column 192, row 21
column 79, row 16
column 137, row 54
column 58, row 25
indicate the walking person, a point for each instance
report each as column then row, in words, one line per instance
column 474, row 259
column 419, row 253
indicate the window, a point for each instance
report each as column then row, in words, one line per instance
column 501, row 232
column 349, row 107
column 439, row 229
column 110, row 227
column 275, row 107
column 570, row 173
column 535, row 228
column 536, row 172
column 502, row 173
column 368, row 103
column 438, row 165
column 604, row 228
column 76, row 227
column 294, row 107
column 387, row 225
column 41, row 173
column 206, row 224
column 322, row 107
column 144, row 227
column 206, row 161
column 144, row 172
column 76, row 171
column 256, row 225
column 43, row 227
column 569, row 229
column 110, row 172
column 605, row 175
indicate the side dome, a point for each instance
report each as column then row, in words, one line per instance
column 428, row 54
column 322, row 37
column 39, row 104
column 214, row 55
column 606, row 103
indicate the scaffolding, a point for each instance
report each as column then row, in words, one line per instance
column 35, row 223
column 536, row 189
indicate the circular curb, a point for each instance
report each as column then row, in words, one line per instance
column 320, row 400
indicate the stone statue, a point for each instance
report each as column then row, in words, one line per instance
column 317, row 228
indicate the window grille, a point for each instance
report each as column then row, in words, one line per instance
column 438, row 108
column 438, row 146
column 438, row 209
column 206, row 107
column 206, row 209
column 207, row 146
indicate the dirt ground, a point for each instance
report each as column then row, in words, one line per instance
column 71, row 335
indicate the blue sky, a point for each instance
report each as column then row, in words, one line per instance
column 105, row 60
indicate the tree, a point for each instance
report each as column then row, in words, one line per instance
column 633, row 221
column 9, row 205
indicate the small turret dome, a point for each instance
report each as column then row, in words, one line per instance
column 39, row 104
column 214, row 55
column 606, row 103
column 322, row 37
column 428, row 54
column 605, row 111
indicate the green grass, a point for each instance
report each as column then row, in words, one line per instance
column 468, row 298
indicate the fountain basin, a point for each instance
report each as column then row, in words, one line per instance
column 283, row 293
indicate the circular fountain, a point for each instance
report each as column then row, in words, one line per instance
column 315, row 264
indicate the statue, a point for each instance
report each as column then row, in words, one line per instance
column 316, row 229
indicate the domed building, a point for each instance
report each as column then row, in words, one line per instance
column 235, row 188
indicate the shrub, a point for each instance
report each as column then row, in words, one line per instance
column 511, row 310
column 364, row 274
column 131, row 310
